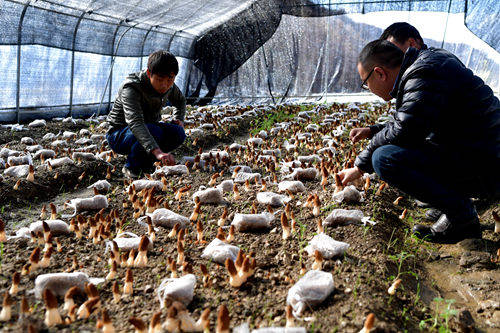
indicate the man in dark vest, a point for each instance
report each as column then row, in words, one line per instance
column 443, row 146
column 136, row 129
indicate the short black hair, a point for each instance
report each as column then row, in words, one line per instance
column 380, row 53
column 162, row 63
column 402, row 31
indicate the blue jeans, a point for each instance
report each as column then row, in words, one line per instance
column 436, row 179
column 122, row 141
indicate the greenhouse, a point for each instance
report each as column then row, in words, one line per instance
column 250, row 166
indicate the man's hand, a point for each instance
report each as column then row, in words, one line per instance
column 164, row 158
column 349, row 175
column 357, row 134
column 178, row 122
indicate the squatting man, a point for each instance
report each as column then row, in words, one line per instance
column 443, row 146
column 136, row 129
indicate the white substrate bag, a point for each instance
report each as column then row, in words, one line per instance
column 6, row 152
column 343, row 216
column 287, row 167
column 226, row 185
column 242, row 177
column 247, row 222
column 46, row 153
column 127, row 243
column 27, row 140
column 38, row 123
column 219, row 251
column 243, row 168
column 235, row 146
column 58, row 162
column 309, row 158
column 255, row 141
column 34, row 148
column 303, row 174
column 328, row 247
column 280, row 330
column 244, row 328
column 168, row 219
column 210, row 195
column 97, row 202
column 312, row 289
column 178, row 289
column 273, row 199
column 348, row 194
column 57, row 227
column 83, row 156
column 17, row 171
column 172, row 170
column 101, row 185
column 141, row 184
column 293, row 186
column 60, row 283
column 20, row 160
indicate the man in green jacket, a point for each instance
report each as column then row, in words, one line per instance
column 135, row 126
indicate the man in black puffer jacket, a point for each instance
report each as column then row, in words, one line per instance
column 443, row 145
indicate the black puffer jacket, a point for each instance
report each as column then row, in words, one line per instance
column 441, row 105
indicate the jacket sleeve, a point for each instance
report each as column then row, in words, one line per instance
column 176, row 97
column 412, row 123
column 134, row 118
column 374, row 129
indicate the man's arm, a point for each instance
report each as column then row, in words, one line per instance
column 134, row 118
column 412, row 122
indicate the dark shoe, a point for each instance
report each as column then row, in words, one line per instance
column 444, row 231
column 433, row 214
column 128, row 173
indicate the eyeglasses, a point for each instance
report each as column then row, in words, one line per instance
column 364, row 85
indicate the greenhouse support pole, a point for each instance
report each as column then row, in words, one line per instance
column 144, row 43
column 73, row 64
column 110, row 79
column 110, row 76
column 18, row 77
column 446, row 24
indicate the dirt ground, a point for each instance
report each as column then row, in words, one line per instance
column 442, row 285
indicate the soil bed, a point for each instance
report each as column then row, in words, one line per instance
column 377, row 254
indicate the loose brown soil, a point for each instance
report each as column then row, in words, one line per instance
column 376, row 256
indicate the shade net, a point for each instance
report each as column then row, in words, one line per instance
column 74, row 54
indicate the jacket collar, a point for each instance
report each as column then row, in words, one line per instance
column 409, row 58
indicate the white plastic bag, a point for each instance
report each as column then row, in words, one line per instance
column 343, row 216
column 57, row 227
column 328, row 247
column 226, row 185
column 293, row 186
column 273, row 199
column 17, row 171
column 210, row 195
column 312, row 289
column 178, row 289
column 171, row 170
column 101, row 185
column 141, row 184
column 242, row 177
column 219, row 251
column 168, row 219
column 348, row 194
column 246, row 222
column 60, row 283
